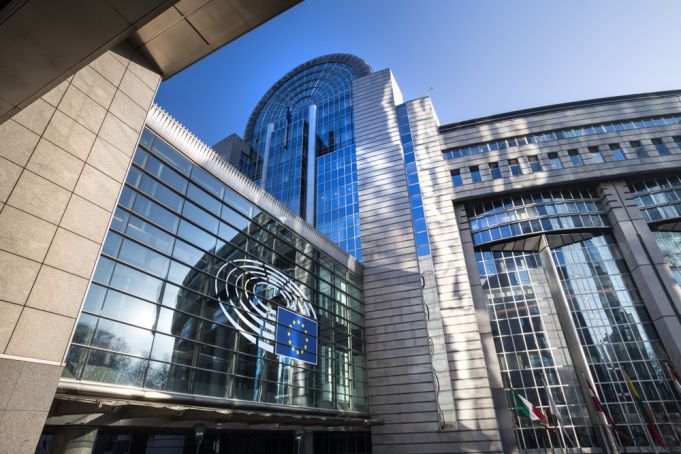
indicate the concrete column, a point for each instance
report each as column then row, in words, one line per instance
column 401, row 388
column 649, row 271
column 311, row 183
column 74, row 440
column 266, row 157
column 496, row 384
column 63, row 160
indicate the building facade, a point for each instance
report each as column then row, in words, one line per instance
column 350, row 277
column 203, row 298
column 562, row 221
column 530, row 253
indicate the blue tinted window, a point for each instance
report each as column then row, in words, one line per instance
column 554, row 161
column 534, row 213
column 535, row 165
column 207, row 181
column 617, row 153
column 456, row 178
column 596, row 155
column 153, row 212
column 575, row 158
column 203, row 199
column 476, row 176
column 122, row 305
column 495, row 170
column 661, row 148
column 514, row 165
column 172, row 157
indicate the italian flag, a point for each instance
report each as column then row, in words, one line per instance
column 523, row 407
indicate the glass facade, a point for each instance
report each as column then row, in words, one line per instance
column 660, row 202
column 532, row 353
column 583, row 278
column 158, row 314
column 418, row 216
column 304, row 131
column 534, row 213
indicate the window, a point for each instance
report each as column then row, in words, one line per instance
column 638, row 149
column 495, row 170
column 617, row 153
column 515, row 167
column 677, row 140
column 456, row 178
column 535, row 165
column 596, row 155
column 554, row 161
column 475, row 174
column 575, row 158
column 580, row 131
column 661, row 148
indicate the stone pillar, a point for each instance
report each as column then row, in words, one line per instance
column 401, row 388
column 499, row 397
column 74, row 440
column 653, row 278
column 63, row 160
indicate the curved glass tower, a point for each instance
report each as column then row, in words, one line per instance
column 303, row 150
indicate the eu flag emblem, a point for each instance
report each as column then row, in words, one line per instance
column 296, row 336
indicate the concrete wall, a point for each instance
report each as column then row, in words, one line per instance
column 494, row 130
column 472, row 360
column 63, row 160
column 401, row 388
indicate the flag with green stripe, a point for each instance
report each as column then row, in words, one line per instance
column 525, row 408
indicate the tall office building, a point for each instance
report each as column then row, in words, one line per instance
column 514, row 285
column 530, row 254
column 301, row 146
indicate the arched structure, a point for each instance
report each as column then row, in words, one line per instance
column 301, row 134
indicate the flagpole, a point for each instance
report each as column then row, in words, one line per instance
column 554, row 409
column 559, row 419
column 574, row 344
column 646, row 429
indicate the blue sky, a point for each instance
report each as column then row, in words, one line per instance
column 474, row 58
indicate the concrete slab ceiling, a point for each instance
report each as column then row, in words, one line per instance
column 46, row 41
column 192, row 29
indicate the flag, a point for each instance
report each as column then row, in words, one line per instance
column 553, row 407
column 296, row 336
column 556, row 414
column 523, row 407
column 645, row 411
column 675, row 377
column 600, row 409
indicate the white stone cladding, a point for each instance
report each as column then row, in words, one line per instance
column 401, row 390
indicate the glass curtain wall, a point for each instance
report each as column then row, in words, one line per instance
column 660, row 202
column 318, row 97
column 593, row 283
column 532, row 353
column 152, row 316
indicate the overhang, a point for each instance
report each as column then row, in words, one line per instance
column 45, row 42
column 192, row 29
